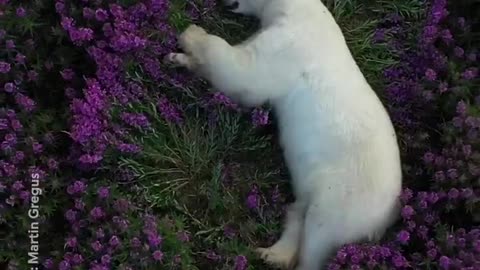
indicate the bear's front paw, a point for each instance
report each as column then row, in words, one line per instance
column 190, row 37
column 278, row 257
column 178, row 60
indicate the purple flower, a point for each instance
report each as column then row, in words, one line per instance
column 447, row 36
column 438, row 12
column 135, row 120
column 162, row 5
column 154, row 240
column 90, row 159
column 467, row 193
column 211, row 255
column 122, row 224
column 52, row 164
column 25, row 102
column 229, row 232
column 37, row 148
column 96, row 246
column 88, row 13
column 433, row 197
column 135, row 242
column 428, row 158
column 99, row 234
column 168, row 111
column 406, row 195
column 101, row 15
column 67, row 74
column 177, row 259
column 24, row 195
column 430, row 33
column 60, row 7
column 241, row 262
column 444, row 262
column 452, row 174
column 129, row 148
column 432, row 253
column 16, row 125
column 11, row 138
column 430, row 74
column 21, row 12
column 17, row 186
column 253, row 199
column 260, row 117
column 121, row 205
column 459, row 52
column 97, row 213
column 64, row 265
column 470, row 73
column 3, row 124
column 9, row 87
column 467, row 150
column 453, row 193
column 20, row 58
column 72, row 242
column 77, row 187
column 440, row 176
column 114, row 241
column 77, row 259
column 472, row 57
column 462, row 108
column 379, row 35
column 127, row 42
column 403, row 237
column 117, row 11
column 79, row 204
column 407, row 212
column 399, row 261
column 106, row 259
column 183, row 236
column 19, row 156
column 71, row 215
column 10, row 44
column 48, row 263
column 79, row 36
column 220, row 98
column 103, row 192
column 9, row 169
column 32, row 75
column 157, row 255
column 4, row 67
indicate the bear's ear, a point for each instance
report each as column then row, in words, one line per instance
column 231, row 5
column 245, row 7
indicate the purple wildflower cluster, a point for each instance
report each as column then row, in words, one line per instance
column 115, row 37
column 16, row 163
column 99, row 227
column 104, row 228
column 29, row 160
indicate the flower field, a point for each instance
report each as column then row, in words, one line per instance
column 111, row 159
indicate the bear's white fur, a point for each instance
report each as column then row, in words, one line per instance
column 338, row 140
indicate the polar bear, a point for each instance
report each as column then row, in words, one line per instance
column 338, row 140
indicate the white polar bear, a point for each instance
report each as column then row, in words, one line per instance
column 338, row 140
